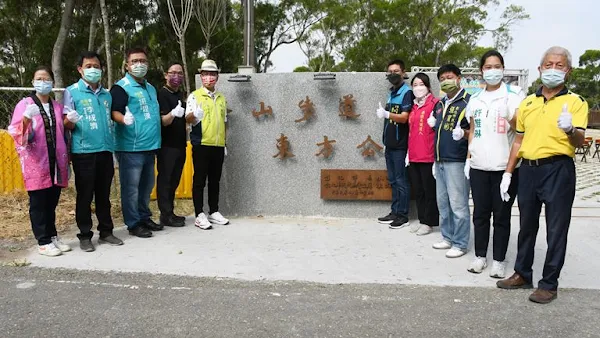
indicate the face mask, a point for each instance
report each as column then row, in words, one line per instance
column 139, row 70
column 493, row 76
column 175, row 80
column 92, row 75
column 394, row 78
column 42, row 87
column 209, row 80
column 420, row 91
column 553, row 78
column 448, row 86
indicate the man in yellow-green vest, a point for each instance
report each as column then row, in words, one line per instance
column 206, row 109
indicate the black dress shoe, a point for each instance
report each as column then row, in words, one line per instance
column 172, row 222
column 150, row 225
column 179, row 218
column 140, row 231
column 110, row 239
column 86, row 245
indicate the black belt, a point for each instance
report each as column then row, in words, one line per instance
column 547, row 160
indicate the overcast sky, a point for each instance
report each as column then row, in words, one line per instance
column 573, row 24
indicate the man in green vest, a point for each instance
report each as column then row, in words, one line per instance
column 135, row 109
column 88, row 116
column 207, row 110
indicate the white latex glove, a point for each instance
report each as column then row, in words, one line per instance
column 128, row 118
column 382, row 113
column 433, row 170
column 504, row 184
column 565, row 120
column 199, row 113
column 72, row 115
column 31, row 110
column 458, row 133
column 178, row 111
column 431, row 120
column 468, row 169
column 406, row 160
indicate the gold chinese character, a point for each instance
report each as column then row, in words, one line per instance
column 347, row 107
column 308, row 109
column 283, row 146
column 327, row 149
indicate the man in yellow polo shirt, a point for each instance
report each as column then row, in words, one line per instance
column 550, row 125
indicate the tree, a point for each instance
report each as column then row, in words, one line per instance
column 210, row 13
column 57, row 51
column 108, row 50
column 585, row 80
column 93, row 24
column 180, row 27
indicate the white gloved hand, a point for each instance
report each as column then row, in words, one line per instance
column 565, row 120
column 199, row 113
column 406, row 160
column 433, row 170
column 225, row 151
column 458, row 133
column 504, row 185
column 31, row 110
column 467, row 169
column 178, row 111
column 72, row 115
column 128, row 118
column 431, row 120
column 382, row 113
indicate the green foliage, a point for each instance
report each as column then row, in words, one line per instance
column 585, row 80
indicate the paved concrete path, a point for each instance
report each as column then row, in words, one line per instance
column 319, row 250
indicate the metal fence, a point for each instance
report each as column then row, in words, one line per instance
column 10, row 96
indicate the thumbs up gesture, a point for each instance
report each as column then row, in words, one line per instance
column 431, row 120
column 128, row 118
column 178, row 111
column 382, row 113
column 565, row 120
column 457, row 133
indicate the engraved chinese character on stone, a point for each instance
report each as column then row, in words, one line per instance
column 327, row 149
column 283, row 147
column 346, row 107
column 369, row 147
column 308, row 109
column 263, row 111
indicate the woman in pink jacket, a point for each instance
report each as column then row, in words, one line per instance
column 38, row 131
column 420, row 155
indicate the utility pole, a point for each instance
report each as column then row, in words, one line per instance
column 249, row 58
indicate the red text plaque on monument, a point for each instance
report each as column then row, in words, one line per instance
column 351, row 184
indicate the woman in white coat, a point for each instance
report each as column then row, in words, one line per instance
column 492, row 115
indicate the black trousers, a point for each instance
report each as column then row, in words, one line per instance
column 42, row 213
column 485, row 189
column 94, row 173
column 170, row 162
column 208, row 163
column 423, row 183
column 552, row 184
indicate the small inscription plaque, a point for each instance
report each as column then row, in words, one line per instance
column 350, row 184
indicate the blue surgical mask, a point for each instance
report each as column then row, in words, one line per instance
column 42, row 87
column 92, row 75
column 493, row 76
column 139, row 70
column 552, row 78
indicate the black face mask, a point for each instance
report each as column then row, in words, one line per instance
column 395, row 79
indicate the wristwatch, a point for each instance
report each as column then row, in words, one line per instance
column 571, row 132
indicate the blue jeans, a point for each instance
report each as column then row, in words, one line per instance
column 452, row 194
column 136, row 173
column 398, row 178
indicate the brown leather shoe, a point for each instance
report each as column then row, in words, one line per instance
column 542, row 296
column 515, row 281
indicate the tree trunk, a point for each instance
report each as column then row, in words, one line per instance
column 188, row 89
column 93, row 26
column 107, row 50
column 59, row 44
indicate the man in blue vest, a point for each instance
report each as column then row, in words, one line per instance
column 136, row 111
column 395, row 139
column 88, row 116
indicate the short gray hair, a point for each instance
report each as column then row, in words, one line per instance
column 557, row 50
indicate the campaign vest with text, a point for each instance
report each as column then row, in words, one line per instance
column 211, row 130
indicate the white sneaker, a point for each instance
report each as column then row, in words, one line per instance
column 478, row 264
column 455, row 252
column 424, row 230
column 202, row 222
column 49, row 250
column 498, row 269
column 442, row 245
column 217, row 218
column 415, row 227
column 60, row 245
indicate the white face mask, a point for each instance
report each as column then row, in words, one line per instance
column 420, row 91
column 493, row 76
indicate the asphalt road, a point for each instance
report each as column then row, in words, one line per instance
column 65, row 303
